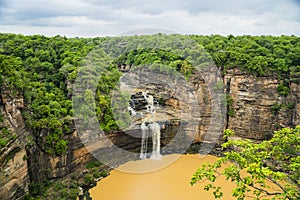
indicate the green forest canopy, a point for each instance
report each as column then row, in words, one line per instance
column 44, row 68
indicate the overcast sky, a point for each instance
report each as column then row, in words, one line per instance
column 89, row 18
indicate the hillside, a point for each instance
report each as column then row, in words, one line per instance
column 41, row 153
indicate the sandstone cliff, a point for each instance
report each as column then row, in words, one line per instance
column 14, row 178
column 256, row 109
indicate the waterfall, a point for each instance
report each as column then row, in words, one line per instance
column 131, row 111
column 152, row 129
column 141, row 103
column 155, row 130
column 145, row 134
column 143, row 106
column 150, row 102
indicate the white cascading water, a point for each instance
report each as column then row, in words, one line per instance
column 131, row 111
column 150, row 102
column 155, row 131
column 152, row 129
column 149, row 127
column 145, row 134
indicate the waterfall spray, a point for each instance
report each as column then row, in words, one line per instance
column 145, row 134
column 139, row 104
column 150, row 102
column 155, row 131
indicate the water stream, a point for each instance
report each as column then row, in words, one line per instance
column 155, row 131
column 144, row 105
column 145, row 135
column 150, row 129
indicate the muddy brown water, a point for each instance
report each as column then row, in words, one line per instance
column 171, row 182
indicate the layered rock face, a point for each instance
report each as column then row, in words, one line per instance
column 14, row 178
column 254, row 107
column 22, row 162
column 255, row 110
column 257, row 107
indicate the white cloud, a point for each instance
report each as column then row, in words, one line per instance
column 111, row 17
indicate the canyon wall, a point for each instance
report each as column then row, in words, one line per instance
column 255, row 110
column 257, row 107
column 14, row 178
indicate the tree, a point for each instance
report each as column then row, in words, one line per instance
column 258, row 64
column 275, row 161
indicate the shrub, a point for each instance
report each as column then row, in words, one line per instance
column 36, row 189
column 283, row 89
column 88, row 179
column 104, row 173
column 275, row 108
column 93, row 164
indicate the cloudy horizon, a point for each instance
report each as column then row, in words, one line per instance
column 91, row 18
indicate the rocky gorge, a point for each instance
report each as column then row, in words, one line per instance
column 255, row 109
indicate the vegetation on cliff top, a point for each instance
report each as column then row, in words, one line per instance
column 43, row 69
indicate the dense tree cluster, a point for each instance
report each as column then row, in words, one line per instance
column 39, row 68
column 44, row 68
column 259, row 170
column 263, row 55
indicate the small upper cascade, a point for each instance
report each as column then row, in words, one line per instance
column 142, row 102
